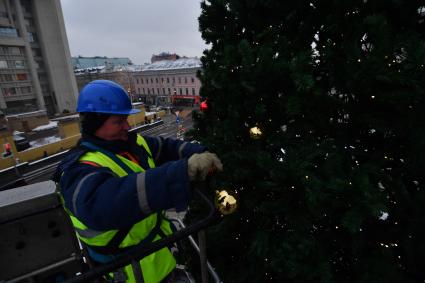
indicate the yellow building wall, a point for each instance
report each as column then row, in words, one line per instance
column 6, row 137
column 51, row 148
column 25, row 124
column 39, row 152
column 136, row 119
column 70, row 134
column 69, row 129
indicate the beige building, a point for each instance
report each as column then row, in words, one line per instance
column 35, row 62
column 122, row 75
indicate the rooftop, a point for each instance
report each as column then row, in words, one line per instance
column 182, row 63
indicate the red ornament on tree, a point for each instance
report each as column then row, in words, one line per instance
column 204, row 106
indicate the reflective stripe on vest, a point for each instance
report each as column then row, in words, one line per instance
column 155, row 266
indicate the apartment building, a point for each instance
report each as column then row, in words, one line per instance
column 35, row 61
column 169, row 82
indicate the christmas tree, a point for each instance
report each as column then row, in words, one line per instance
column 317, row 110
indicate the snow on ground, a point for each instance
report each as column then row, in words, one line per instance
column 51, row 125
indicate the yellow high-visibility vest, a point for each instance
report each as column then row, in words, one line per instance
column 155, row 266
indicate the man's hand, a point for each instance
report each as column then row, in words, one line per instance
column 201, row 164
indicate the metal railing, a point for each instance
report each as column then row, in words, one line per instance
column 139, row 252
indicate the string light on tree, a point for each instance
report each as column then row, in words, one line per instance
column 255, row 132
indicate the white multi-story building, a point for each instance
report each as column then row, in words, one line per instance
column 35, row 62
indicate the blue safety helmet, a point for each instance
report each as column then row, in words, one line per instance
column 103, row 96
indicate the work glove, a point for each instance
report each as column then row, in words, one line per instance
column 200, row 165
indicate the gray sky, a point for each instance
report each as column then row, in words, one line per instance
column 133, row 28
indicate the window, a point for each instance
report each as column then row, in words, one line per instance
column 3, row 64
column 187, row 91
column 157, row 91
column 15, row 50
column 138, row 90
column 36, row 52
column 163, row 91
column 185, row 80
column 19, row 64
column 168, row 80
column 25, row 89
column 180, row 90
column 169, row 91
column 174, row 80
column 8, row 32
column 156, row 79
column 193, row 91
column 31, row 37
column 193, row 79
column 149, row 92
column 22, row 77
column 143, row 89
column 6, row 78
column 137, row 80
column 8, row 91
column 152, row 80
column 175, row 91
column 180, row 80
column 162, row 80
column 153, row 91
column 141, row 80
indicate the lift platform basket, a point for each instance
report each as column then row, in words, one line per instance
column 37, row 242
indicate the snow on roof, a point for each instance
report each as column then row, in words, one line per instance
column 18, row 138
column 66, row 117
column 17, row 133
column 43, row 141
column 51, row 125
column 26, row 114
column 182, row 63
column 104, row 69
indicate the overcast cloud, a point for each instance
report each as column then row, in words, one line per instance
column 133, row 28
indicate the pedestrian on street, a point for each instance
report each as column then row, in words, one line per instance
column 116, row 184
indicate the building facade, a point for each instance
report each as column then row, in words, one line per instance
column 169, row 82
column 35, row 61
column 122, row 75
column 164, row 82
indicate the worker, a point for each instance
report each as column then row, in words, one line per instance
column 116, row 184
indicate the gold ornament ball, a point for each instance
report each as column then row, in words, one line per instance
column 225, row 203
column 255, row 132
